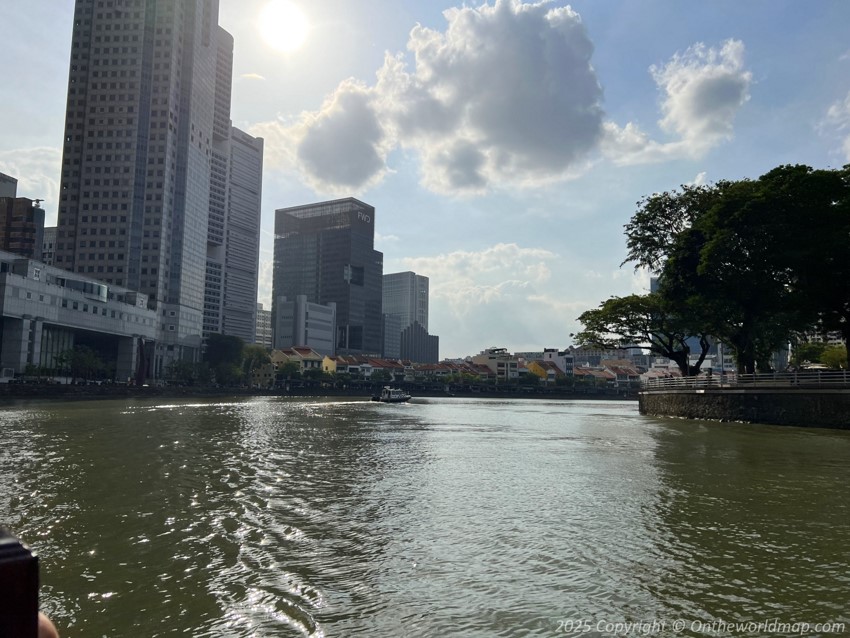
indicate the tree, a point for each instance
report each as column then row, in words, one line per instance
column 223, row 349
column 834, row 357
column 80, row 361
column 825, row 272
column 745, row 259
column 807, row 352
column 253, row 357
column 289, row 370
column 223, row 353
column 647, row 321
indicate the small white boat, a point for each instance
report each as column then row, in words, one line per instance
column 392, row 395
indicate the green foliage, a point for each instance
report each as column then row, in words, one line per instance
column 223, row 350
column 254, row 357
column 810, row 352
column 80, row 362
column 289, row 370
column 648, row 320
column 751, row 262
column 186, row 373
column 834, row 357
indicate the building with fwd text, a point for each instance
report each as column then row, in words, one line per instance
column 147, row 119
column 325, row 251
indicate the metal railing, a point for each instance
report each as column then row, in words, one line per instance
column 806, row 379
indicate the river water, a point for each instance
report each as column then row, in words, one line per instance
column 441, row 517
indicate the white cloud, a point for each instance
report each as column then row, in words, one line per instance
column 505, row 95
column 838, row 120
column 702, row 91
column 466, row 280
column 252, row 76
column 338, row 150
column 38, row 171
column 383, row 239
column 699, row 180
column 514, row 296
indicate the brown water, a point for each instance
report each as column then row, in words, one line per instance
column 275, row 517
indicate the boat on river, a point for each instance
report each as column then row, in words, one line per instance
column 391, row 395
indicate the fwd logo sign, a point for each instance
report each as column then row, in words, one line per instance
column 364, row 217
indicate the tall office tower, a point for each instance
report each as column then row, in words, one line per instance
column 144, row 97
column 406, row 296
column 242, row 243
column 325, row 251
column 406, row 302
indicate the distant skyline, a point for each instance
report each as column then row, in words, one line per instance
column 503, row 145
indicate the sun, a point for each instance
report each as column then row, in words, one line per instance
column 283, row 25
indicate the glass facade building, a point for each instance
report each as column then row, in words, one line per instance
column 325, row 251
column 405, row 296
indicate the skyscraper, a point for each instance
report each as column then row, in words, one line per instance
column 147, row 120
column 405, row 304
column 325, row 251
column 405, row 295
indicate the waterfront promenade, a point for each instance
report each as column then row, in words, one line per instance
column 808, row 398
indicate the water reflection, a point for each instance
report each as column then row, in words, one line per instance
column 279, row 517
column 752, row 523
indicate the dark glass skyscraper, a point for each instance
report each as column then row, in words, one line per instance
column 326, row 252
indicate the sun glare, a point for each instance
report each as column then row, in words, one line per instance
column 283, row 25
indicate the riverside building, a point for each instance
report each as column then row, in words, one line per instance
column 46, row 311
column 147, row 123
column 325, row 253
column 405, row 307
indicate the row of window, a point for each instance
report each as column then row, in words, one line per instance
column 84, row 307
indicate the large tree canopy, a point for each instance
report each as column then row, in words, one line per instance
column 647, row 321
column 750, row 262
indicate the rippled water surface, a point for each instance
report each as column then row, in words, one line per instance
column 277, row 517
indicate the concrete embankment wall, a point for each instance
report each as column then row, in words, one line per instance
column 804, row 408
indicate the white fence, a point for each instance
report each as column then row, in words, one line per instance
column 805, row 379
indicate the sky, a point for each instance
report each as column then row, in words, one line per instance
column 503, row 145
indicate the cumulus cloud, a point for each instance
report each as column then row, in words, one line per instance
column 468, row 280
column 505, row 95
column 480, row 298
column 38, row 171
column 838, row 120
column 702, row 91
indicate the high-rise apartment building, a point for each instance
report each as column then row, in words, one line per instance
column 147, row 124
column 325, row 251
